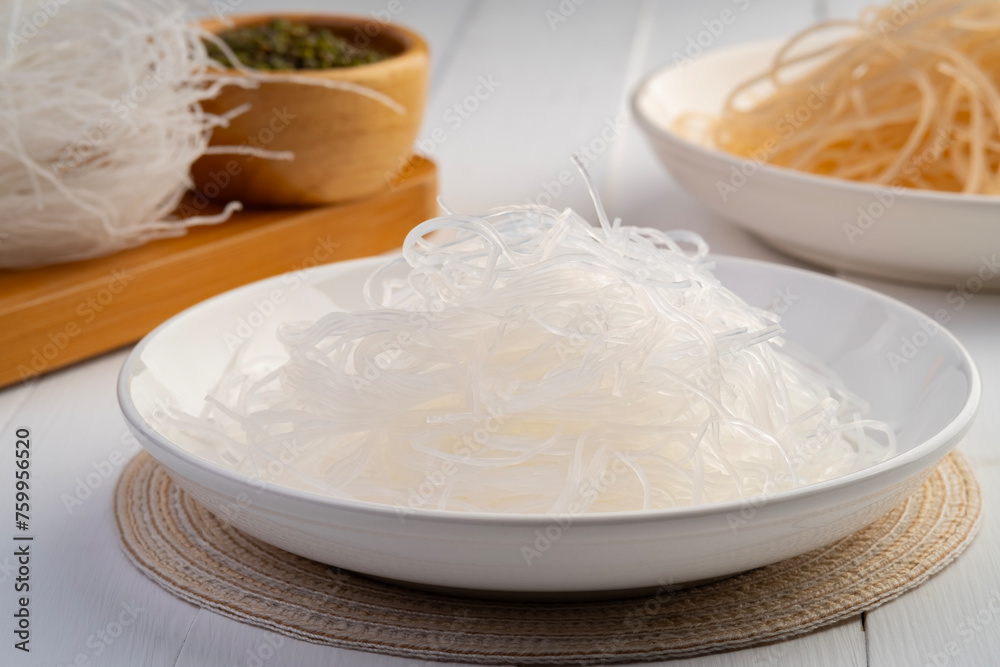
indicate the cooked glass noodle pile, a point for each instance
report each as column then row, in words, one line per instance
column 536, row 364
column 908, row 95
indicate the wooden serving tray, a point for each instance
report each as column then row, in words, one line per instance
column 53, row 316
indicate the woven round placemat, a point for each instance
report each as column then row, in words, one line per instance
column 199, row 558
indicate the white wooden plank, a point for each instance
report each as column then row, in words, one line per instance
column 216, row 640
column 13, row 397
column 842, row 645
column 87, row 603
column 557, row 83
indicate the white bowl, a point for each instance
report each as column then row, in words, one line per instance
column 930, row 398
column 906, row 234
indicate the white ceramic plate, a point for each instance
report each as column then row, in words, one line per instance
column 930, row 399
column 913, row 235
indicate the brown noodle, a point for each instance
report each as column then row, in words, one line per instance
column 907, row 96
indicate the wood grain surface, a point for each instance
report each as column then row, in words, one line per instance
column 53, row 316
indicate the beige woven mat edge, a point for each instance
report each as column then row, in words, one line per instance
column 190, row 552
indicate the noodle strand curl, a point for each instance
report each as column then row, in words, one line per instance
column 535, row 364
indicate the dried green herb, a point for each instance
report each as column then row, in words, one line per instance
column 287, row 45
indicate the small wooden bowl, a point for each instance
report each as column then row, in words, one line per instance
column 346, row 145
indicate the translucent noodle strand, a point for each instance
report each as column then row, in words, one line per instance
column 536, row 364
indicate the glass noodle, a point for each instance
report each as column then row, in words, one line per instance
column 536, row 364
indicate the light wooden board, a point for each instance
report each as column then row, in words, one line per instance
column 56, row 315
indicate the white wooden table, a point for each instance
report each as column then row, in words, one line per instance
column 561, row 73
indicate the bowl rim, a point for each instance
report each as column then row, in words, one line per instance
column 654, row 129
column 414, row 44
column 948, row 434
